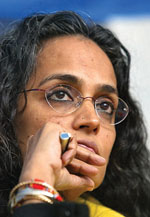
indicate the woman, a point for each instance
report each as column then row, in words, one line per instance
column 60, row 73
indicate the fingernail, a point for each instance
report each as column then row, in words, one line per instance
column 90, row 189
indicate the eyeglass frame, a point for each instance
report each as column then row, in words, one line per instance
column 81, row 97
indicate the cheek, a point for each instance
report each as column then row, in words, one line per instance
column 107, row 138
column 27, row 124
column 107, row 143
column 31, row 120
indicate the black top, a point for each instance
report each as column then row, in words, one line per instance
column 63, row 209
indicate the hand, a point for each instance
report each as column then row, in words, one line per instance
column 43, row 160
column 85, row 164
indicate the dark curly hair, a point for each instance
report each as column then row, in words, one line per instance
column 126, row 187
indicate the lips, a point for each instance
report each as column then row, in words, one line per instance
column 90, row 145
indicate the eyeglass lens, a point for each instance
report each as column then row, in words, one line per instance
column 66, row 99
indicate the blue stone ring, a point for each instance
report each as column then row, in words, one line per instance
column 65, row 138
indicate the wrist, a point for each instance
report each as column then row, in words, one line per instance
column 32, row 191
column 48, row 177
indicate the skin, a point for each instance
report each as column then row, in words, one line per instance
column 79, row 169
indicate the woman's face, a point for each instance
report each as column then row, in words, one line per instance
column 92, row 75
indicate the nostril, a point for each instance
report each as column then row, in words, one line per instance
column 88, row 127
column 84, row 126
column 95, row 129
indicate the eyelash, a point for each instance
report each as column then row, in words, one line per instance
column 65, row 91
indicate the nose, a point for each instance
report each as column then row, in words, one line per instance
column 86, row 118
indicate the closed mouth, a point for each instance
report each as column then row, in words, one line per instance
column 89, row 145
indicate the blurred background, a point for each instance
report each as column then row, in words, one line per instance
column 128, row 19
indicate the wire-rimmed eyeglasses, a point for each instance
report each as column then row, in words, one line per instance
column 66, row 99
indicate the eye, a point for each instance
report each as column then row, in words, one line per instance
column 105, row 105
column 59, row 95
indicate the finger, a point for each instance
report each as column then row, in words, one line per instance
column 72, row 181
column 29, row 141
column 77, row 190
column 70, row 153
column 90, row 157
column 68, row 156
column 29, row 148
column 46, row 140
column 79, row 167
column 73, row 194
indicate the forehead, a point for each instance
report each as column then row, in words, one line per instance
column 75, row 55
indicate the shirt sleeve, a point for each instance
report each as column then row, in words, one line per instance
column 63, row 209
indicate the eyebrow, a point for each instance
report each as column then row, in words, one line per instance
column 107, row 88
column 75, row 80
column 63, row 77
